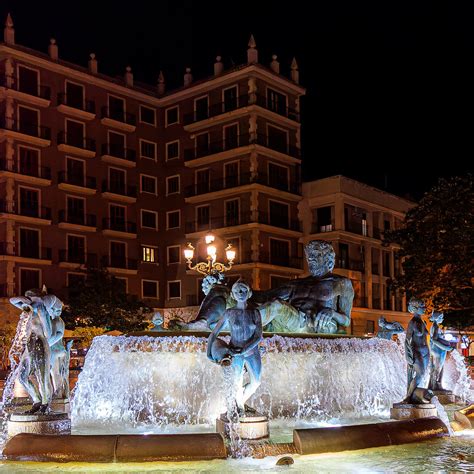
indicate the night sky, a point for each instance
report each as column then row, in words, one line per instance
column 389, row 84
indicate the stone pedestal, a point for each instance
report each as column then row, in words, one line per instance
column 445, row 397
column 408, row 411
column 52, row 423
column 248, row 427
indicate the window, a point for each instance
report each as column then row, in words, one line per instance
column 75, row 133
column 172, row 150
column 149, row 289
column 230, row 99
column 149, row 219
column 370, row 326
column 118, row 254
column 279, row 252
column 172, row 185
column 75, row 210
column 29, row 243
column 117, row 179
column 203, row 181
column 74, row 95
column 343, row 255
column 201, row 108
column 202, row 144
column 29, row 121
column 118, row 217
column 173, row 219
column 29, row 202
column 231, row 174
column 75, row 171
column 147, row 115
column 276, row 102
column 117, row 144
column 232, row 212
column 149, row 254
column 364, row 225
column 174, row 254
column 28, row 80
column 278, row 176
column 29, row 279
column 279, row 214
column 29, row 161
column 203, row 217
column 172, row 116
column 231, row 136
column 386, row 224
column 147, row 149
column 174, row 289
column 148, row 184
column 277, row 139
column 76, row 249
column 116, row 108
column 323, row 219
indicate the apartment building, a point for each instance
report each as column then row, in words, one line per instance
column 99, row 171
column 353, row 216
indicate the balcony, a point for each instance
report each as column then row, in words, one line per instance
column 30, row 213
column 77, row 183
column 74, row 258
column 81, row 146
column 119, row 192
column 216, row 109
column 31, row 254
column 118, row 155
column 34, row 94
column 119, row 228
column 82, row 222
column 217, row 147
column 37, row 175
column 31, row 133
column 119, row 264
column 281, row 260
column 284, row 111
column 269, row 142
column 230, row 182
column 244, row 218
column 350, row 264
column 84, row 110
column 119, row 119
column 323, row 228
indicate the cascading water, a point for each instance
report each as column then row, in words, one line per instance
column 130, row 382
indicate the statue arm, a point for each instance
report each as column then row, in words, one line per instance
column 343, row 314
column 440, row 343
column 22, row 302
column 58, row 333
column 215, row 332
column 257, row 335
column 282, row 292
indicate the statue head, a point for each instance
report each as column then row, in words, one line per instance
column 53, row 305
column 382, row 322
column 241, row 290
column 416, row 306
column 320, row 256
column 210, row 280
column 437, row 317
column 157, row 319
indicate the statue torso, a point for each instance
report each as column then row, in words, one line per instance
column 419, row 333
column 242, row 325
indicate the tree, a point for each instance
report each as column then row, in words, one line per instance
column 437, row 250
column 101, row 301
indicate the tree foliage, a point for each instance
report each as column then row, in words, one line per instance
column 101, row 301
column 437, row 250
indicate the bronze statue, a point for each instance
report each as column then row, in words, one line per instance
column 44, row 363
column 323, row 300
column 439, row 348
column 242, row 352
column 388, row 329
column 417, row 354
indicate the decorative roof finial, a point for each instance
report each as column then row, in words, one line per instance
column 128, row 76
column 218, row 66
column 295, row 75
column 188, row 77
column 93, row 65
column 275, row 65
column 161, row 84
column 9, row 31
column 53, row 49
column 252, row 53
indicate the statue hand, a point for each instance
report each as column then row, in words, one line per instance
column 323, row 318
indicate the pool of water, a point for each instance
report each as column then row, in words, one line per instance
column 446, row 455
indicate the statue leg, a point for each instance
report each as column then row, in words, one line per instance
column 56, row 362
column 24, row 379
column 42, row 368
column 238, row 369
column 253, row 364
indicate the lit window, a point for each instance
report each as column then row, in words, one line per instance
column 149, row 254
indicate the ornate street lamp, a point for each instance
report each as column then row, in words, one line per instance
column 211, row 265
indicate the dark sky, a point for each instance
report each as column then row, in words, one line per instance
column 389, row 83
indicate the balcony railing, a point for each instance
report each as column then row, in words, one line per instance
column 118, row 261
column 119, row 151
column 70, row 256
column 119, row 225
column 31, row 129
column 89, row 220
column 288, row 112
column 78, row 142
column 77, row 180
column 25, row 209
column 286, row 148
column 216, row 109
column 350, row 264
column 281, row 260
column 119, row 188
column 43, row 92
column 243, row 218
column 118, row 115
column 19, row 168
column 84, row 105
column 43, row 253
column 323, row 228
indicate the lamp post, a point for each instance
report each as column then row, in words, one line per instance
column 211, row 265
